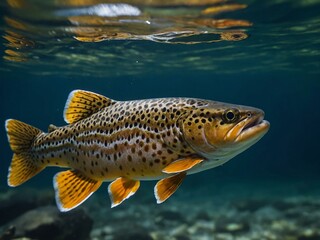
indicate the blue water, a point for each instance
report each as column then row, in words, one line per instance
column 277, row 69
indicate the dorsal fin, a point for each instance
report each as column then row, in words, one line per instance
column 51, row 128
column 82, row 104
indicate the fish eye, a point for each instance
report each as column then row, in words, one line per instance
column 231, row 115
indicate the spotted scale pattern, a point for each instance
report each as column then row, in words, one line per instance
column 134, row 139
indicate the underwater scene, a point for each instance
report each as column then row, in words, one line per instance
column 160, row 119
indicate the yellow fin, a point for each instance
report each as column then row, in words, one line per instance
column 82, row 104
column 121, row 189
column 167, row 186
column 23, row 166
column 182, row 165
column 20, row 135
column 72, row 188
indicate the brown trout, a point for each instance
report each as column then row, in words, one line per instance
column 128, row 141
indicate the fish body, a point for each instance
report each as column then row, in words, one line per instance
column 128, row 141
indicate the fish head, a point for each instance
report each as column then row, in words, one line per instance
column 219, row 131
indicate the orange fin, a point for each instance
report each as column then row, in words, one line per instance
column 167, row 186
column 20, row 135
column 82, row 104
column 182, row 165
column 72, row 188
column 121, row 189
column 23, row 166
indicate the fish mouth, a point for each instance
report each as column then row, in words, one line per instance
column 252, row 128
column 248, row 129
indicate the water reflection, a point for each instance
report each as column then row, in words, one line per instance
column 171, row 22
column 157, row 36
column 159, row 24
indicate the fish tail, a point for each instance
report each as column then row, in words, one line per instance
column 23, row 166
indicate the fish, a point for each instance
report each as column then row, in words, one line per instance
column 125, row 142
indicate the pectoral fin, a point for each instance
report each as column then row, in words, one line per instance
column 73, row 188
column 121, row 189
column 182, row 165
column 167, row 186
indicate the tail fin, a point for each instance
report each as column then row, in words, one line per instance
column 20, row 137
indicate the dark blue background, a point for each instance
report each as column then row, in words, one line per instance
column 275, row 69
column 291, row 103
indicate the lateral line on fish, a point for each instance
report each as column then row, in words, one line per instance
column 128, row 141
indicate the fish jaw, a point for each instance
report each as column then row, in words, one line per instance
column 248, row 130
column 246, row 137
column 219, row 141
column 253, row 133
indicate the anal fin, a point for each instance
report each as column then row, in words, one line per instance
column 167, row 186
column 121, row 189
column 72, row 188
column 182, row 165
